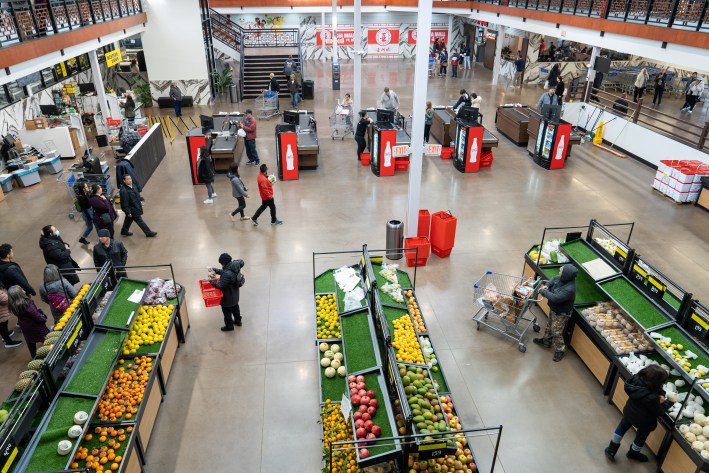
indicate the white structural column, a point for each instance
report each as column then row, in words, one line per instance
column 451, row 30
column 335, row 52
column 498, row 55
column 100, row 91
column 591, row 74
column 357, row 90
column 323, row 32
column 425, row 8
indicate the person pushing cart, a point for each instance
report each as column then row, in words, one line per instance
column 560, row 291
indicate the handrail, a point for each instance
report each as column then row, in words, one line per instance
column 24, row 20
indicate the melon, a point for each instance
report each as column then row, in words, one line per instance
column 325, row 362
column 324, row 347
column 341, row 371
column 330, row 372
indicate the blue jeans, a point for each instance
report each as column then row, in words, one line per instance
column 88, row 216
column 251, row 153
column 640, row 436
column 294, row 99
column 178, row 108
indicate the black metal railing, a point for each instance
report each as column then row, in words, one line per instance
column 681, row 14
column 235, row 36
column 226, row 30
column 25, row 20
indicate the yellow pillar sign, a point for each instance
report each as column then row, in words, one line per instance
column 113, row 57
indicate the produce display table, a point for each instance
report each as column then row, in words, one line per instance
column 512, row 122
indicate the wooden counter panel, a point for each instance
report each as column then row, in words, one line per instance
column 677, row 461
column 594, row 359
column 133, row 463
column 703, row 200
column 147, row 421
column 168, row 354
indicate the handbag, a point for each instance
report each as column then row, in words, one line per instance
column 444, row 64
column 106, row 219
column 58, row 301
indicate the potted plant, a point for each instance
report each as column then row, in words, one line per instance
column 506, row 52
column 222, row 80
column 141, row 90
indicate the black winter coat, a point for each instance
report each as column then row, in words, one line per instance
column 130, row 200
column 56, row 252
column 561, row 290
column 643, row 406
column 227, row 282
column 116, row 253
column 11, row 275
column 205, row 169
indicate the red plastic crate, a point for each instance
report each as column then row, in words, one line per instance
column 211, row 295
column 443, row 226
column 486, row 159
column 424, row 224
column 419, row 258
column 446, row 152
column 401, row 164
column 364, row 158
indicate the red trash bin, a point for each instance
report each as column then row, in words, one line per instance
column 424, row 224
column 442, row 233
column 419, row 258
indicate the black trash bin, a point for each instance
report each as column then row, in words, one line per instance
column 308, row 90
column 394, row 239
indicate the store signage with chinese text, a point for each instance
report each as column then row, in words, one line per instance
column 383, row 40
column 345, row 36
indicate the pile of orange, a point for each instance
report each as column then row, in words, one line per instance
column 125, row 389
column 104, row 457
column 336, row 429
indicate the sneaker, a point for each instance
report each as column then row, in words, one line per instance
column 127, row 233
column 84, row 241
column 683, row 109
column 253, row 220
column 690, row 110
column 277, row 222
column 231, row 216
column 558, row 355
column 214, row 194
column 542, row 342
column 227, row 329
column 245, row 218
column 151, row 234
column 13, row 344
column 209, row 201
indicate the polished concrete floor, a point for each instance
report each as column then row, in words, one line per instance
column 247, row 401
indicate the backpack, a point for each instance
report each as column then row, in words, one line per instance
column 58, row 301
column 454, row 61
column 240, row 279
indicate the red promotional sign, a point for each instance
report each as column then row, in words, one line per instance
column 194, row 143
column 435, row 34
column 561, row 145
column 383, row 40
column 387, row 143
column 289, row 155
column 345, row 36
column 474, row 145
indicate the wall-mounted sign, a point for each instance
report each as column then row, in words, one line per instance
column 113, row 57
column 345, row 36
column 383, row 40
column 437, row 33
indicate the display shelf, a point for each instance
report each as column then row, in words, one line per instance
column 95, row 362
column 633, row 302
column 680, row 337
column 359, row 341
column 121, row 455
column 379, row 451
column 60, row 418
column 118, row 310
column 325, row 282
column 390, row 315
column 130, row 366
column 615, row 330
column 580, row 251
column 593, row 357
column 411, row 388
column 152, row 348
column 381, row 281
column 330, row 388
column 587, row 291
column 419, row 330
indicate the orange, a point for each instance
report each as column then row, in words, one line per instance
column 114, row 466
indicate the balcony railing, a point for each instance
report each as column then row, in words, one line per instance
column 24, row 20
column 690, row 15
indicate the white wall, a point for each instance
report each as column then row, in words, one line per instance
column 173, row 44
column 642, row 142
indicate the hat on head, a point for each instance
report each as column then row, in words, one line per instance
column 224, row 259
column 103, row 233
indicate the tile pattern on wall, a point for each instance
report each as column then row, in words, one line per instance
column 197, row 88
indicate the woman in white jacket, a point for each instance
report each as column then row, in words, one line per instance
column 640, row 84
column 694, row 91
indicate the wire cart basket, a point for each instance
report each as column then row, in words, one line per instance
column 71, row 177
column 504, row 301
column 267, row 105
column 341, row 123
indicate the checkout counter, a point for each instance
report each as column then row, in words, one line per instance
column 489, row 140
column 512, row 122
column 306, row 130
column 535, row 120
column 66, row 135
column 227, row 146
column 402, row 136
column 440, row 126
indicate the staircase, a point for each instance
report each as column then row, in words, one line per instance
column 261, row 52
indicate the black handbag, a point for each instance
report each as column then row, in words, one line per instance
column 106, row 218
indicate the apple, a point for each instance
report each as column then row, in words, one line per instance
column 359, row 423
column 373, row 403
column 353, row 391
column 362, row 392
column 365, row 416
column 361, row 385
column 371, row 394
column 371, row 436
column 363, row 409
column 368, row 425
column 352, row 379
column 371, row 410
column 361, row 433
column 363, row 453
column 356, row 400
column 376, row 430
column 358, row 415
column 353, row 384
column 360, row 379
column 364, row 400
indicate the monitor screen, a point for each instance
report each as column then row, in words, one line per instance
column 469, row 114
column 385, row 115
column 86, row 88
column 50, row 110
column 9, row 140
column 291, row 118
column 206, row 122
column 551, row 112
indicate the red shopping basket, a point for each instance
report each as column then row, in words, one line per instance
column 113, row 122
column 211, row 295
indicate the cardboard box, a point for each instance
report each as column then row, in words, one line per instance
column 41, row 123
column 2, row 195
column 30, row 125
column 30, row 159
column 19, row 145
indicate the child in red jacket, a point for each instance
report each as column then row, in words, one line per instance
column 265, row 188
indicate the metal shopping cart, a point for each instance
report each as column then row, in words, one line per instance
column 72, row 176
column 504, row 301
column 267, row 105
column 341, row 122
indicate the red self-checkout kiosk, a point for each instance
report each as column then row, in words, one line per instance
column 383, row 143
column 287, row 152
column 552, row 139
column 468, row 141
column 195, row 139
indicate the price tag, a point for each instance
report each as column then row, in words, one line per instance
column 655, row 288
column 639, row 274
column 700, row 321
column 8, row 452
column 73, row 340
column 620, row 255
column 345, row 407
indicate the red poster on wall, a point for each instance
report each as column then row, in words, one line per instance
column 435, row 34
column 345, row 36
column 383, row 40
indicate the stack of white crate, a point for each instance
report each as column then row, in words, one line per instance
column 680, row 179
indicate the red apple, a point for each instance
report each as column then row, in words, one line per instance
column 352, row 379
column 365, row 416
column 359, row 423
column 361, row 386
column 356, row 400
column 364, row 400
column 371, row 436
column 371, row 394
column 362, row 392
column 353, row 384
column 361, row 433
column 368, row 425
column 373, row 403
column 371, row 410
column 353, row 391
column 363, row 453
column 358, row 415
column 376, row 430
column 362, row 409
column 360, row 379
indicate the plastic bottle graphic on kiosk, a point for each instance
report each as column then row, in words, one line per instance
column 474, row 150
column 560, row 149
column 387, row 155
column 289, row 158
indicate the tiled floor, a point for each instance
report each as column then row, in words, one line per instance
column 246, row 401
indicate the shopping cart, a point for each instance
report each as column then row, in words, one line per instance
column 504, row 301
column 341, row 122
column 71, row 177
column 267, row 105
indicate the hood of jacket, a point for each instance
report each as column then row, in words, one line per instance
column 568, row 273
column 637, row 390
column 45, row 242
column 235, row 265
column 6, row 264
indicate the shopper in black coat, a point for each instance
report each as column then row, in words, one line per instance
column 110, row 250
column 10, row 272
column 205, row 172
column 228, row 283
column 58, row 253
column 132, row 205
column 560, row 291
column 646, row 402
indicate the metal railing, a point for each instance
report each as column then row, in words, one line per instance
column 681, row 14
column 25, row 20
column 226, row 30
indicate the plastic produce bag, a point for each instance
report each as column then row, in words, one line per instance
column 346, row 278
column 389, row 272
column 491, row 293
column 393, row 291
column 353, row 299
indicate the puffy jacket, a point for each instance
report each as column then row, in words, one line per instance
column 249, row 126
column 33, row 323
column 265, row 188
column 643, row 406
column 205, row 169
column 292, row 86
column 130, row 200
column 4, row 308
column 641, row 80
column 561, row 290
column 238, row 189
column 11, row 275
column 56, row 252
column 227, row 282
column 116, row 253
column 56, row 287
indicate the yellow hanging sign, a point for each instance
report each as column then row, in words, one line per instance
column 113, row 57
